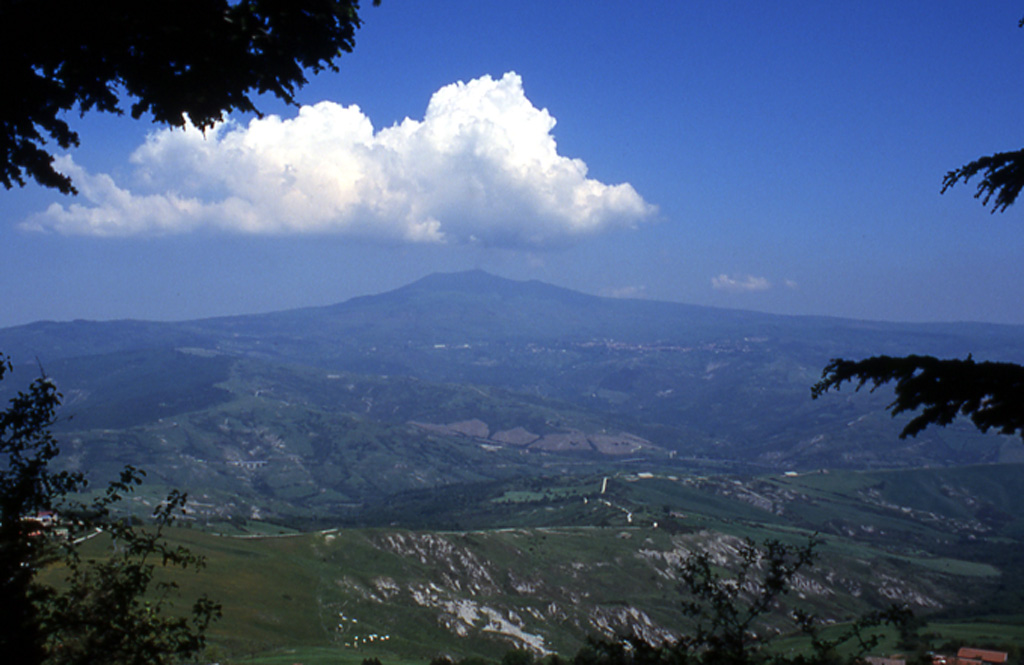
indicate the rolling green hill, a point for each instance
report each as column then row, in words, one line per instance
column 581, row 556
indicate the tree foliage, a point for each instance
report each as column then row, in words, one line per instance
column 730, row 612
column 27, row 487
column 190, row 60
column 117, row 608
column 111, row 610
column 1003, row 178
column 1002, row 175
column 739, row 608
column 738, row 613
column 991, row 394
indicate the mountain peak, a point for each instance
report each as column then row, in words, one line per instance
column 466, row 279
column 479, row 282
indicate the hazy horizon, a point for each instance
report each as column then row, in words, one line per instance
column 524, row 280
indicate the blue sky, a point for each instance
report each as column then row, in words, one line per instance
column 784, row 157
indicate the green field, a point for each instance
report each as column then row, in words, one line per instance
column 560, row 561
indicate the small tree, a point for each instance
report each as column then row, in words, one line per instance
column 27, row 488
column 109, row 611
column 737, row 613
column 731, row 612
column 734, row 612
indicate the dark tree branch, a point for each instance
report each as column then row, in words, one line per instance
column 990, row 393
column 1003, row 177
column 191, row 60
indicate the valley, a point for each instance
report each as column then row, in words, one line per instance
column 469, row 464
column 542, row 565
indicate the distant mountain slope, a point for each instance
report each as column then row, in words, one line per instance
column 534, row 366
column 475, row 306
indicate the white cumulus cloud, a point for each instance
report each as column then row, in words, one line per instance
column 740, row 284
column 481, row 167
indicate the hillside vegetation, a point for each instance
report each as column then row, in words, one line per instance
column 470, row 464
column 469, row 378
column 573, row 561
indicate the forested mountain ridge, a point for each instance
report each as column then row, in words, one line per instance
column 468, row 377
column 478, row 307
